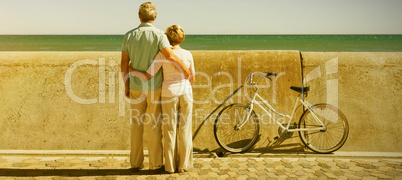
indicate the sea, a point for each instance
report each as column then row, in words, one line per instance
column 307, row 43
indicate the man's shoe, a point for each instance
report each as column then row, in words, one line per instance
column 137, row 169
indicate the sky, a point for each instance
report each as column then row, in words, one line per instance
column 204, row 16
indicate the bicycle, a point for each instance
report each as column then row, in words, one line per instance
column 322, row 128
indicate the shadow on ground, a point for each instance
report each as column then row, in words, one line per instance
column 275, row 146
column 69, row 172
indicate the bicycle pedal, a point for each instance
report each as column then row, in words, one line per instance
column 276, row 138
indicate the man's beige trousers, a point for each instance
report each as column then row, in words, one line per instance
column 146, row 110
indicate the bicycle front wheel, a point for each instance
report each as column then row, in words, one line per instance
column 227, row 132
column 332, row 137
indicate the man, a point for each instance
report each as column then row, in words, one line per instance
column 140, row 46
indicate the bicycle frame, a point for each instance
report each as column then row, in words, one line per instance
column 286, row 129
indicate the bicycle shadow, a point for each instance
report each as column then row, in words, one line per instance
column 275, row 146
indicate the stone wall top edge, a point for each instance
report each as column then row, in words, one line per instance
column 353, row 58
column 347, row 52
column 120, row 51
column 302, row 52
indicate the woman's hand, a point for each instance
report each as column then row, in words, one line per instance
column 130, row 69
column 142, row 75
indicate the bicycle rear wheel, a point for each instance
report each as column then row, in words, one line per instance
column 226, row 131
column 330, row 139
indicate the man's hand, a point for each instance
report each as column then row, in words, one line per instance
column 124, row 72
column 191, row 78
column 187, row 74
column 127, row 89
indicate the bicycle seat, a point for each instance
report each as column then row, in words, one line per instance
column 300, row 89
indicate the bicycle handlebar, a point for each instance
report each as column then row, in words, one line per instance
column 270, row 74
column 265, row 74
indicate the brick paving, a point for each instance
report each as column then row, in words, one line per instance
column 230, row 167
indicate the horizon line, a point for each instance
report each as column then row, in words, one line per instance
column 207, row 34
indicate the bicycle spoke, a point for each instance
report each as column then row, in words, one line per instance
column 329, row 139
column 240, row 139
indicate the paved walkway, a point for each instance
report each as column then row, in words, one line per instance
column 229, row 167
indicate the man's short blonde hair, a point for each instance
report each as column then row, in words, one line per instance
column 175, row 34
column 147, row 12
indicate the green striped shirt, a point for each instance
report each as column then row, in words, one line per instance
column 142, row 45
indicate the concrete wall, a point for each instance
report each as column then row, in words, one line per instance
column 38, row 113
column 73, row 100
column 369, row 93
